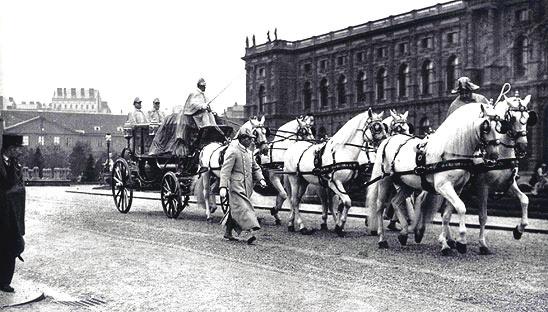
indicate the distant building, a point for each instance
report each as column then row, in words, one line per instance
column 80, row 100
column 235, row 114
column 46, row 128
column 408, row 62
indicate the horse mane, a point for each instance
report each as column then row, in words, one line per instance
column 348, row 131
column 291, row 127
column 458, row 133
column 388, row 121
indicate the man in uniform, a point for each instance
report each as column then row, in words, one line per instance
column 464, row 88
column 12, row 208
column 136, row 116
column 156, row 115
column 238, row 173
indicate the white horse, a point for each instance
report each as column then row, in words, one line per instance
column 469, row 128
column 211, row 158
column 340, row 160
column 298, row 129
column 513, row 147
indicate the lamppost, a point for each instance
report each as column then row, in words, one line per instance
column 108, row 138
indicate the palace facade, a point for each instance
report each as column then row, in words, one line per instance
column 408, row 62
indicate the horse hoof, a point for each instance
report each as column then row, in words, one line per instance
column 278, row 222
column 383, row 245
column 291, row 228
column 306, row 231
column 273, row 211
column 209, row 220
column 419, row 235
column 403, row 239
column 366, row 221
column 451, row 243
column 446, row 251
column 323, row 227
column 461, row 248
column 484, row 251
column 392, row 226
column 373, row 233
column 517, row 233
column 339, row 230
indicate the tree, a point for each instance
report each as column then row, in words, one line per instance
column 55, row 157
column 38, row 160
column 89, row 174
column 77, row 158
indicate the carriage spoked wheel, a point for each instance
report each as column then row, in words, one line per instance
column 121, row 186
column 171, row 196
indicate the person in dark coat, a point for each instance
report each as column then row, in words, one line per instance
column 238, row 173
column 12, row 209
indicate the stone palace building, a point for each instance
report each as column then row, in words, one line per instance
column 408, row 62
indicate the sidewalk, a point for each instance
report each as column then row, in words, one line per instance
column 266, row 202
column 25, row 292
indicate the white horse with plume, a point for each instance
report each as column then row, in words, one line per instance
column 513, row 146
column 469, row 128
column 340, row 157
column 298, row 129
column 211, row 158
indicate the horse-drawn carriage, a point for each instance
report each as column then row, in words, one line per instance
column 167, row 173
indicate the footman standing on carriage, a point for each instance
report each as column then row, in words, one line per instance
column 156, row 115
column 465, row 95
column 12, row 208
column 238, row 173
column 137, row 116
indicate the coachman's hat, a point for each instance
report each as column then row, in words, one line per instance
column 156, row 100
column 201, row 81
column 464, row 83
column 246, row 132
column 137, row 100
column 11, row 140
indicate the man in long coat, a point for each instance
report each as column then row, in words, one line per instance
column 12, row 209
column 137, row 116
column 238, row 173
column 465, row 95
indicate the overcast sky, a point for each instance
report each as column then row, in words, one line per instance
column 156, row 48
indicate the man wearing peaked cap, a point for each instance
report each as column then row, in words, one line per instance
column 136, row 116
column 464, row 88
column 238, row 172
column 156, row 115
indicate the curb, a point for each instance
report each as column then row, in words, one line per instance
column 352, row 215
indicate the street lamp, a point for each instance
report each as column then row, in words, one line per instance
column 108, row 138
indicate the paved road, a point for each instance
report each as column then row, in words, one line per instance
column 80, row 250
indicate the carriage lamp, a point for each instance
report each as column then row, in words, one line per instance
column 108, row 138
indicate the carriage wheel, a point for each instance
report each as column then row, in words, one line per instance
column 121, row 182
column 171, row 196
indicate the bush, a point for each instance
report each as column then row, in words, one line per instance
column 89, row 174
column 78, row 158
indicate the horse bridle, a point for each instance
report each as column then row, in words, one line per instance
column 396, row 126
column 376, row 127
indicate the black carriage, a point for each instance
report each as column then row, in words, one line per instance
column 169, row 174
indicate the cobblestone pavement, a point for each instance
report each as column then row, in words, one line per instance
column 86, row 256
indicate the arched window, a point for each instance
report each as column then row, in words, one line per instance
column 403, row 80
column 381, row 83
column 262, row 98
column 521, row 55
column 427, row 77
column 452, row 71
column 307, row 96
column 341, row 90
column 324, row 94
column 424, row 126
column 360, row 86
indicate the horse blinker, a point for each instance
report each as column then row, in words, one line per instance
column 485, row 126
column 533, row 118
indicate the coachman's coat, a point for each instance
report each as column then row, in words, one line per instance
column 458, row 102
column 238, row 174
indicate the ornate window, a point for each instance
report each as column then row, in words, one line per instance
column 427, row 77
column 381, row 83
column 307, row 95
column 262, row 99
column 324, row 93
column 341, row 90
column 521, row 56
column 403, row 80
column 360, row 86
column 452, row 71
